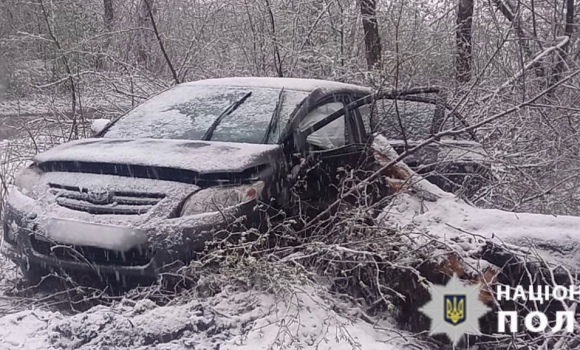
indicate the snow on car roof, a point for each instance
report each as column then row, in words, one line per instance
column 278, row 83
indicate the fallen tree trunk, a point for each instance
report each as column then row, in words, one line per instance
column 422, row 206
column 485, row 246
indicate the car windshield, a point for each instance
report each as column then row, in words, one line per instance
column 186, row 112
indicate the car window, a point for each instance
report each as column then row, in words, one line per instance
column 416, row 118
column 329, row 136
column 188, row 111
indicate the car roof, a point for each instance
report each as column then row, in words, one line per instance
column 306, row 85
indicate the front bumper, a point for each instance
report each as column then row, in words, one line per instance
column 171, row 243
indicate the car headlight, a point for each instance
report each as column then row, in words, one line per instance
column 217, row 198
column 27, row 178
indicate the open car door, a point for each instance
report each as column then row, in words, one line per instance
column 457, row 163
column 327, row 143
column 406, row 120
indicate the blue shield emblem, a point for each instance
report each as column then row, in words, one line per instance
column 455, row 308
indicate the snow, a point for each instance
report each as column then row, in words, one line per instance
column 303, row 318
column 162, row 233
column 98, row 125
column 105, row 102
column 88, row 234
column 453, row 151
column 33, row 105
column 424, row 211
column 278, row 83
column 555, row 238
column 233, row 319
column 8, row 277
column 188, row 111
column 199, row 156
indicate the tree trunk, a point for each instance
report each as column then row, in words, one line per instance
column 277, row 57
column 368, row 9
column 108, row 15
column 108, row 19
column 463, row 40
column 563, row 52
column 144, row 36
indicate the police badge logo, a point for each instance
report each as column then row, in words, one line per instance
column 454, row 308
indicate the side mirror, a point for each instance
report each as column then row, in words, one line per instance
column 98, row 125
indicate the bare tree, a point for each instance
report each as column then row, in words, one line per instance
column 67, row 66
column 463, row 37
column 109, row 15
column 373, row 49
column 109, row 20
column 144, row 22
column 563, row 52
column 523, row 37
column 277, row 58
column 160, row 42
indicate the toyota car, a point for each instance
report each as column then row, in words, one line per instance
column 150, row 188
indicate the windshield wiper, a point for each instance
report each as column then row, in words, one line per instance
column 273, row 125
column 231, row 108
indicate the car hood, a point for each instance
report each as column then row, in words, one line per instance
column 203, row 157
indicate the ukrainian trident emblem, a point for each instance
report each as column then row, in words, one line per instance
column 449, row 304
column 455, row 309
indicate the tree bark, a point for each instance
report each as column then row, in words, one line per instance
column 143, row 40
column 463, row 40
column 277, row 57
column 108, row 15
column 563, row 52
column 373, row 49
column 108, row 19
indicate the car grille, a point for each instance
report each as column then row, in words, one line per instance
column 105, row 202
column 92, row 255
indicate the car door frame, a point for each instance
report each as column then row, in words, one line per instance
column 354, row 121
column 439, row 117
column 353, row 124
column 298, row 148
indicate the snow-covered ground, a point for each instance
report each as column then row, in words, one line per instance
column 8, row 279
column 232, row 319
